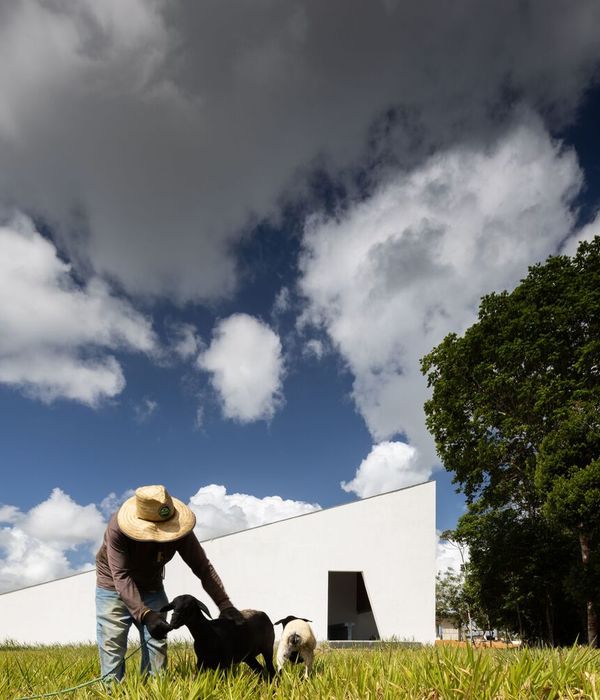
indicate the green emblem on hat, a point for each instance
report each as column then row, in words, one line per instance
column 164, row 512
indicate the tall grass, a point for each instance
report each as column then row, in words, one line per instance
column 386, row 673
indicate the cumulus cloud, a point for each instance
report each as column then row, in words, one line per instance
column 246, row 366
column 35, row 545
column 60, row 522
column 140, row 130
column 43, row 543
column 392, row 276
column 389, row 466
column 56, row 334
column 25, row 561
column 219, row 513
column 10, row 514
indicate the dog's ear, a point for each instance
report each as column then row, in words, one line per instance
column 303, row 618
column 285, row 620
column 166, row 608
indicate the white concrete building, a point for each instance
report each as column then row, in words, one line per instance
column 364, row 570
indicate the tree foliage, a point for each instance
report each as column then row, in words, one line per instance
column 450, row 599
column 515, row 416
column 517, row 572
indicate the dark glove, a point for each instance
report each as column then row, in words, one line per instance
column 157, row 625
column 232, row 614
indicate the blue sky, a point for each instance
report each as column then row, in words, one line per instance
column 228, row 234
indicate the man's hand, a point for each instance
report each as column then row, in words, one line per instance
column 157, row 625
column 232, row 614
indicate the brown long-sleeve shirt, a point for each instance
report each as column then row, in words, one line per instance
column 131, row 567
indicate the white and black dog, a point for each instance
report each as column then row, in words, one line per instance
column 297, row 643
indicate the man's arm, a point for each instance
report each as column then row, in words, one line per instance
column 117, row 556
column 194, row 556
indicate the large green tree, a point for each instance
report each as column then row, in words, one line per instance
column 517, row 573
column 510, row 400
column 568, row 476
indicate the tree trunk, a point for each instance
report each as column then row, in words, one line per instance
column 470, row 623
column 592, row 617
column 592, row 624
column 549, row 620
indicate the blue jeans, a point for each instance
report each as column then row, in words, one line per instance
column 113, row 621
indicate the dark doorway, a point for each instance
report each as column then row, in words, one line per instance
column 349, row 611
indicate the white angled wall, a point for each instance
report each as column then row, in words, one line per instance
column 281, row 568
column 57, row 612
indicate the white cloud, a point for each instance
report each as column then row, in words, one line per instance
column 393, row 275
column 60, row 522
column 185, row 342
column 10, row 514
column 150, row 133
column 56, row 334
column 111, row 503
column 246, row 367
column 219, row 513
column 587, row 233
column 34, row 547
column 389, row 466
column 448, row 555
column 48, row 376
column 25, row 561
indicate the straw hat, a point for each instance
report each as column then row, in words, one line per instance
column 153, row 515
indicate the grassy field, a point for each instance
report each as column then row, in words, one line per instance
column 387, row 673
